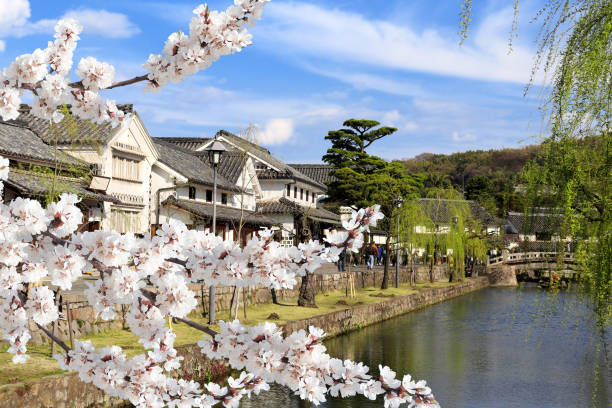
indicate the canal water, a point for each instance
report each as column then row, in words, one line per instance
column 495, row 348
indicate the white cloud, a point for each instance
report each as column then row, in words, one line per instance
column 14, row 21
column 277, row 131
column 349, row 37
column 104, row 23
column 463, row 137
column 364, row 81
column 13, row 13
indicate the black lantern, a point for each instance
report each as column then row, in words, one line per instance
column 398, row 201
column 215, row 150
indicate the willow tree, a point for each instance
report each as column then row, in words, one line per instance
column 443, row 225
column 574, row 170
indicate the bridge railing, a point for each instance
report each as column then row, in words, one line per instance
column 527, row 257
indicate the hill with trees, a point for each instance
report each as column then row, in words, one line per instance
column 487, row 176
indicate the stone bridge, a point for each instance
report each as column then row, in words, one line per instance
column 535, row 265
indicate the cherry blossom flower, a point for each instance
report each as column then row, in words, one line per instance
column 41, row 305
column 96, row 75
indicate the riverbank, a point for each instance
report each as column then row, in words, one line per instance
column 66, row 390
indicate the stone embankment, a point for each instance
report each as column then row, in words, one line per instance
column 346, row 320
column 502, row 275
column 67, row 391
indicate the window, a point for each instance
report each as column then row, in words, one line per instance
column 125, row 221
column 294, row 192
column 313, row 197
column 209, row 196
column 126, row 169
column 301, row 193
column 307, row 193
column 288, row 190
column 192, row 193
column 223, row 198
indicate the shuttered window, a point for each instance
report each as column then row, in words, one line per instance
column 125, row 221
column 126, row 169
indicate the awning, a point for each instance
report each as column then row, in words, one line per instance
column 285, row 206
column 224, row 213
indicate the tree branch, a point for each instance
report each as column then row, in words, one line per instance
column 79, row 84
column 197, row 326
column 55, row 339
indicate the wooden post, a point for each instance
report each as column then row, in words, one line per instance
column 53, row 333
column 69, row 319
column 57, row 303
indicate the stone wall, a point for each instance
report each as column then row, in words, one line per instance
column 67, row 391
column 84, row 319
column 502, row 275
column 343, row 321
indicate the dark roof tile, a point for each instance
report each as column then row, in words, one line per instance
column 36, row 184
column 70, row 131
column 190, row 165
column 285, row 206
column 20, row 142
column 224, row 213
column 318, row 172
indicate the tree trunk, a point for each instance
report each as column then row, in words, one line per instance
column 385, row 281
column 307, row 291
column 274, row 298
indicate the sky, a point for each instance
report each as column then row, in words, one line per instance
column 315, row 63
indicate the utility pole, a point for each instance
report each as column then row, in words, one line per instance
column 398, row 202
column 215, row 150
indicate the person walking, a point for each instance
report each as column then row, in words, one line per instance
column 341, row 260
column 370, row 254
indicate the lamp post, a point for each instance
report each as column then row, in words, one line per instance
column 215, row 150
column 398, row 203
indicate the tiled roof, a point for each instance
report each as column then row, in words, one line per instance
column 20, row 142
column 36, row 184
column 230, row 166
column 285, row 206
column 318, row 172
column 189, row 143
column 443, row 210
column 540, row 222
column 190, row 165
column 70, row 131
column 263, row 155
column 260, row 153
column 224, row 213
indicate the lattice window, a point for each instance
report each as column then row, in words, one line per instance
column 126, row 169
column 125, row 221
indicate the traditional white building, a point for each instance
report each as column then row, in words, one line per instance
column 283, row 194
column 182, row 184
column 141, row 182
column 41, row 172
column 119, row 158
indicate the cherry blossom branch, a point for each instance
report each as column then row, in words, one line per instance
column 46, row 72
column 198, row 326
column 54, row 338
column 136, row 79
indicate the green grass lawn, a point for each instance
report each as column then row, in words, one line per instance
column 41, row 364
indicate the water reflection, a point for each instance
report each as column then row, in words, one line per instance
column 483, row 350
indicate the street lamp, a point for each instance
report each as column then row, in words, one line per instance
column 215, row 150
column 398, row 203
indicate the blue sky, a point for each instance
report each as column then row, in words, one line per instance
column 315, row 63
